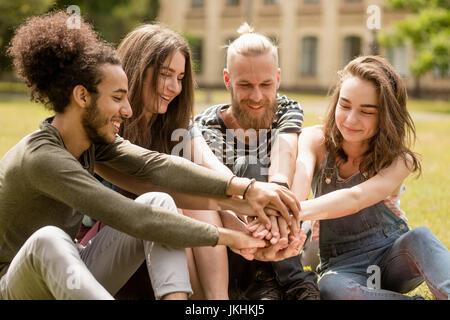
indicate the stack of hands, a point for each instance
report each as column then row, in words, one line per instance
column 282, row 240
column 274, row 217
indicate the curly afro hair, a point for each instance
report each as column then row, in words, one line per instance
column 52, row 58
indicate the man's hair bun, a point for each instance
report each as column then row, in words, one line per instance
column 245, row 28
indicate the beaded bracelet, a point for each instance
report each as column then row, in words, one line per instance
column 252, row 181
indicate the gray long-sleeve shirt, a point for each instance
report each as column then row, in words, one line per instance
column 41, row 184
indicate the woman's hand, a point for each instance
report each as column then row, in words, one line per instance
column 239, row 242
column 285, row 242
column 281, row 250
column 280, row 229
column 262, row 195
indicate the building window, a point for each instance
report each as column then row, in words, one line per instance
column 271, row 2
column 352, row 49
column 308, row 62
column 233, row 2
column 398, row 57
column 196, row 45
column 197, row 3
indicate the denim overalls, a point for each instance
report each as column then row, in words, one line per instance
column 374, row 248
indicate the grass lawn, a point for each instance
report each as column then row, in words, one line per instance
column 426, row 201
column 19, row 118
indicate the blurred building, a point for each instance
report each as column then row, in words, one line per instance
column 316, row 38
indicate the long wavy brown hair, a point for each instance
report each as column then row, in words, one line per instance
column 145, row 47
column 396, row 132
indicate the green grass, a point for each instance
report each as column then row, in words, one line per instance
column 13, row 87
column 426, row 201
column 19, row 117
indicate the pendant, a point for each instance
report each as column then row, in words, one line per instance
column 327, row 180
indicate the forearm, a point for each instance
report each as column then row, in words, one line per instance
column 171, row 172
column 301, row 185
column 282, row 170
column 184, row 176
column 78, row 190
column 309, row 146
column 202, row 155
column 332, row 205
column 183, row 200
column 283, row 156
column 347, row 201
column 124, row 181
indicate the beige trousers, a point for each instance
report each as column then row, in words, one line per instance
column 51, row 266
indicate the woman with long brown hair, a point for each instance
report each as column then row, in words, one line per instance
column 158, row 64
column 356, row 163
column 160, row 80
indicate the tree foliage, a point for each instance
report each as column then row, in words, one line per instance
column 13, row 13
column 428, row 31
column 113, row 19
column 196, row 45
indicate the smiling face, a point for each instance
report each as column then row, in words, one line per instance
column 357, row 110
column 107, row 109
column 253, row 82
column 169, row 84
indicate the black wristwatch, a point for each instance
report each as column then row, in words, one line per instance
column 281, row 183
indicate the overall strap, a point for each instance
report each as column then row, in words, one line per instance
column 328, row 170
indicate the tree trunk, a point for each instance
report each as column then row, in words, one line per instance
column 417, row 88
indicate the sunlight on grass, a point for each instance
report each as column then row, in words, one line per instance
column 19, row 118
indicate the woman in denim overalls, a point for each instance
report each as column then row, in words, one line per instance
column 356, row 164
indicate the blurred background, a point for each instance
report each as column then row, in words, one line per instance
column 316, row 38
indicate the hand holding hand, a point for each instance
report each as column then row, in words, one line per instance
column 280, row 229
column 281, row 250
column 240, row 242
column 261, row 195
column 285, row 242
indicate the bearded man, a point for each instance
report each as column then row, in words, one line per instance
column 256, row 137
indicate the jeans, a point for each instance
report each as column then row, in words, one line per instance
column 51, row 266
column 288, row 272
column 414, row 256
column 373, row 253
